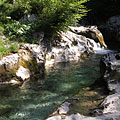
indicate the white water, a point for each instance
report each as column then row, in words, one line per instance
column 102, row 51
column 97, row 49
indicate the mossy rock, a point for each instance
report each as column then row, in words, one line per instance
column 27, row 60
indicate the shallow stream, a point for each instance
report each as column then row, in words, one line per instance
column 61, row 82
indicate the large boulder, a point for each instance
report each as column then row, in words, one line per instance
column 110, row 69
column 110, row 65
column 28, row 63
column 74, row 43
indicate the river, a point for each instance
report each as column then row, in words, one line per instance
column 61, row 82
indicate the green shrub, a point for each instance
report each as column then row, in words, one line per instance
column 57, row 15
column 3, row 49
column 52, row 16
column 19, row 31
column 14, row 48
column 7, row 47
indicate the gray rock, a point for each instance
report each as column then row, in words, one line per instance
column 74, row 44
column 28, row 63
column 9, row 63
column 54, row 118
column 39, row 36
column 113, row 22
column 37, row 52
column 64, row 108
column 110, row 69
column 75, row 117
column 23, row 73
column 111, row 104
column 110, row 64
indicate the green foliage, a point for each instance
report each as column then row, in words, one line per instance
column 1, row 30
column 3, row 50
column 18, row 31
column 7, row 47
column 52, row 16
column 57, row 15
column 14, row 48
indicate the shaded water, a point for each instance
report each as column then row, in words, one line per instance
column 60, row 83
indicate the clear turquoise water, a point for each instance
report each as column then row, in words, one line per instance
column 60, row 83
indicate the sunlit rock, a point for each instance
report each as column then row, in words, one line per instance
column 54, row 118
column 37, row 52
column 111, row 104
column 110, row 65
column 28, row 63
column 75, row 117
column 9, row 63
column 90, row 32
column 14, row 82
column 23, row 73
column 74, row 43
column 64, row 108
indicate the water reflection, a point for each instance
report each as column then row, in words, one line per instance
column 60, row 83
